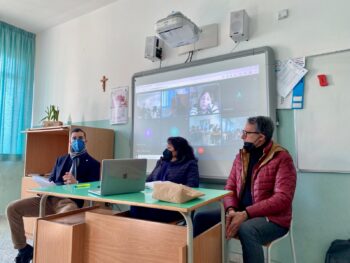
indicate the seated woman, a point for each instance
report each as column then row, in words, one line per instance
column 179, row 165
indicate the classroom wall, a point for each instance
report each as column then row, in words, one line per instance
column 10, row 182
column 72, row 57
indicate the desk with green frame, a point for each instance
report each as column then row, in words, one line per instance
column 143, row 199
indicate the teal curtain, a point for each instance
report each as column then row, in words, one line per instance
column 17, row 52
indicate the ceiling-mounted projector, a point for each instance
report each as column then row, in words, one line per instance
column 177, row 30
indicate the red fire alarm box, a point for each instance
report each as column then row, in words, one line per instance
column 323, row 80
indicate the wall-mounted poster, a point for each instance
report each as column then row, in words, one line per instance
column 119, row 105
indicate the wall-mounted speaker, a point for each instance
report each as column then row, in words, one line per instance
column 239, row 25
column 153, row 48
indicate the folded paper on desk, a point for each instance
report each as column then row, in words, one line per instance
column 42, row 181
column 175, row 193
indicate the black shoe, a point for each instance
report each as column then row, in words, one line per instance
column 25, row 255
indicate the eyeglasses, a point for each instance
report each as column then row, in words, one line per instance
column 245, row 133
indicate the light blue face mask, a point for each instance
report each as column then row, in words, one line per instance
column 78, row 145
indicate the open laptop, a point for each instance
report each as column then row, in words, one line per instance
column 120, row 176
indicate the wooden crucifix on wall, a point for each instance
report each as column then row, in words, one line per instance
column 103, row 81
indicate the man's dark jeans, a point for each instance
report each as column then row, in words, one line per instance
column 253, row 233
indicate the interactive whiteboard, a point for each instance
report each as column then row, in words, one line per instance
column 207, row 102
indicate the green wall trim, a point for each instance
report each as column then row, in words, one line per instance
column 11, row 173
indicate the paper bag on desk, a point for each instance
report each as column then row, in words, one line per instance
column 175, row 193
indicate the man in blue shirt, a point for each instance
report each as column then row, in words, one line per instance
column 77, row 166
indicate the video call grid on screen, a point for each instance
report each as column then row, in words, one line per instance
column 207, row 104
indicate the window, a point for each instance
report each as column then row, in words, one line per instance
column 17, row 51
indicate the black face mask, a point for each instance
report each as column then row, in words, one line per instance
column 248, row 146
column 167, row 155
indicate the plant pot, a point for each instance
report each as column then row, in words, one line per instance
column 52, row 123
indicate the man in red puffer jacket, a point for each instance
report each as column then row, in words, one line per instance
column 262, row 180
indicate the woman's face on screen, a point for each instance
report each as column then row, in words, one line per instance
column 205, row 101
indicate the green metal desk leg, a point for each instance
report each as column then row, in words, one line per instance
column 189, row 224
column 188, row 219
column 223, row 233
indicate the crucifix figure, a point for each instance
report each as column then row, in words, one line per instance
column 104, row 80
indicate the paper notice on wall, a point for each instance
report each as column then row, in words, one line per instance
column 284, row 103
column 298, row 95
column 119, row 105
column 294, row 100
column 288, row 75
column 299, row 61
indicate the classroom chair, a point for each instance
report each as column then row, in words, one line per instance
column 291, row 239
column 270, row 245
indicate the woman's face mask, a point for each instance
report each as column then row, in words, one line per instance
column 78, row 145
column 167, row 155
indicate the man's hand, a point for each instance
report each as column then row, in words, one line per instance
column 233, row 222
column 69, row 178
column 229, row 217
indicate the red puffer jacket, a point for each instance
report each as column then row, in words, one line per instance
column 273, row 184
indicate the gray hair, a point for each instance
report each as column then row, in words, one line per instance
column 263, row 125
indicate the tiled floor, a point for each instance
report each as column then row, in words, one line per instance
column 7, row 253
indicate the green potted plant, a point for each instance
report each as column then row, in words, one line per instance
column 51, row 117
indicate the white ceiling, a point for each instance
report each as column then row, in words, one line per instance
column 38, row 15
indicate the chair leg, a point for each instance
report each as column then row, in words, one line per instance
column 268, row 254
column 227, row 250
column 292, row 245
